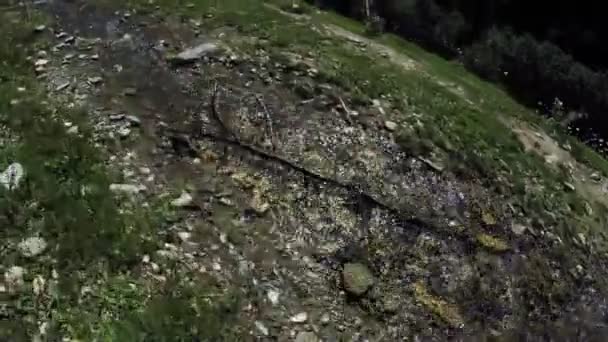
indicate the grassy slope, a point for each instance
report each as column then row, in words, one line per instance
column 58, row 169
column 95, row 241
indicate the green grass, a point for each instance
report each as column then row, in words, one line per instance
column 95, row 240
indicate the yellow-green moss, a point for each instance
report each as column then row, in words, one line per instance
column 439, row 307
column 492, row 243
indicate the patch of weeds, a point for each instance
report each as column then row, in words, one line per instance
column 126, row 309
column 91, row 284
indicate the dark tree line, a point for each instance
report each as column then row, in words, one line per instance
column 538, row 50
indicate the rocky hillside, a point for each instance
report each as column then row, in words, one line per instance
column 246, row 170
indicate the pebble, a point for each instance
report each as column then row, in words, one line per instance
column 95, row 80
column 273, row 296
column 195, row 53
column 39, row 28
column 390, row 125
column 299, row 318
column 12, row 176
column 184, row 236
column 184, row 200
column 124, row 131
column 129, row 189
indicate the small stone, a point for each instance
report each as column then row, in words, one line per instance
column 95, row 57
column 95, row 80
column 32, row 246
column 73, row 130
column 128, row 189
column 39, row 28
column 216, row 266
column 184, row 200
column 357, row 278
column 306, row 336
column 14, row 278
column 12, row 176
column 390, row 125
column 41, row 62
column 273, row 296
column 325, row 319
column 261, row 328
column 124, row 131
column 299, row 318
column 195, row 53
column 184, row 236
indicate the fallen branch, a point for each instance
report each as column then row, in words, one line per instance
column 346, row 110
column 355, row 190
column 215, row 113
column 268, row 120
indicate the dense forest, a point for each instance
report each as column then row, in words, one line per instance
column 538, row 51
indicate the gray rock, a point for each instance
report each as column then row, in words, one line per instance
column 390, row 125
column 357, row 278
column 32, row 246
column 306, row 336
column 195, row 53
column 11, row 177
